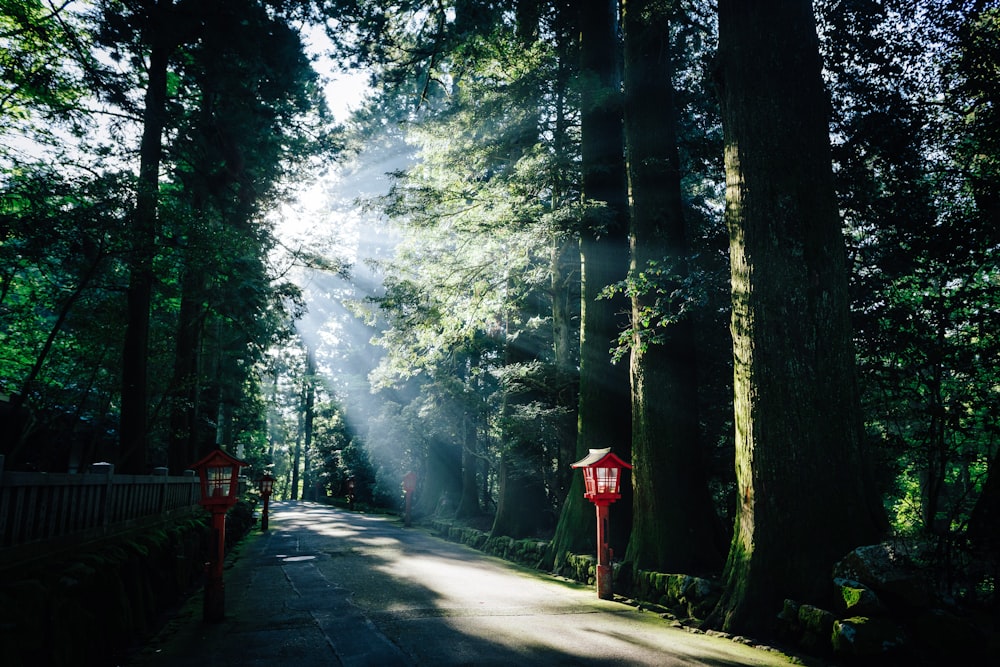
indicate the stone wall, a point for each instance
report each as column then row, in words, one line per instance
column 684, row 595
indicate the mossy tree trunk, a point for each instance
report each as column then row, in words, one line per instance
column 521, row 495
column 674, row 527
column 804, row 497
column 309, row 419
column 604, row 417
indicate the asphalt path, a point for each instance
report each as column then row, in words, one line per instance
column 329, row 587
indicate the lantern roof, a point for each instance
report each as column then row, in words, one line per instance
column 601, row 458
column 218, row 457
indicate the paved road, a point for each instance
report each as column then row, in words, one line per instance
column 328, row 587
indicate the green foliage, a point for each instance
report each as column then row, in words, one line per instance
column 924, row 246
column 59, row 301
column 43, row 70
column 668, row 297
column 490, row 196
column 244, row 119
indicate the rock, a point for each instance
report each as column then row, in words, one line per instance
column 865, row 638
column 816, row 627
column 889, row 572
column 856, row 599
column 700, row 595
column 816, row 620
column 697, row 596
column 789, row 616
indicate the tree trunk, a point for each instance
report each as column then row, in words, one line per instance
column 674, row 527
column 521, row 496
column 604, row 418
column 309, row 417
column 468, row 504
column 293, row 493
column 804, row 496
column 985, row 515
column 442, row 479
column 521, row 489
column 565, row 287
column 524, row 458
column 304, row 437
column 565, row 351
column 133, row 426
column 185, row 404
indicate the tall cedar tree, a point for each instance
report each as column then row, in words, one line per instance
column 604, row 418
column 135, row 355
column 804, row 498
column 980, row 54
column 674, row 523
column 231, row 154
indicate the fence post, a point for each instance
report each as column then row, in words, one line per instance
column 108, row 470
column 162, row 471
column 194, row 490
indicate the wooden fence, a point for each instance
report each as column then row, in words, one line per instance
column 40, row 512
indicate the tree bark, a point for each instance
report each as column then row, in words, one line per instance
column 185, row 405
column 521, row 495
column 565, row 284
column 565, row 288
column 133, row 425
column 674, row 527
column 524, row 458
column 985, row 515
column 309, row 417
column 304, row 437
column 468, row 503
column 604, row 417
column 442, row 479
column 805, row 497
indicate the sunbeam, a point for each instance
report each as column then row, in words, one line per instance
column 333, row 246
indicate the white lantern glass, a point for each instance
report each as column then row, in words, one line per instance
column 219, row 478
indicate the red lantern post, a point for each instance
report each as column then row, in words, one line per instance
column 602, row 480
column 409, row 485
column 350, row 493
column 266, row 486
column 219, row 473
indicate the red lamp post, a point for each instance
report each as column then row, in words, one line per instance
column 219, row 473
column 409, row 485
column 350, row 492
column 602, row 479
column 266, row 486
